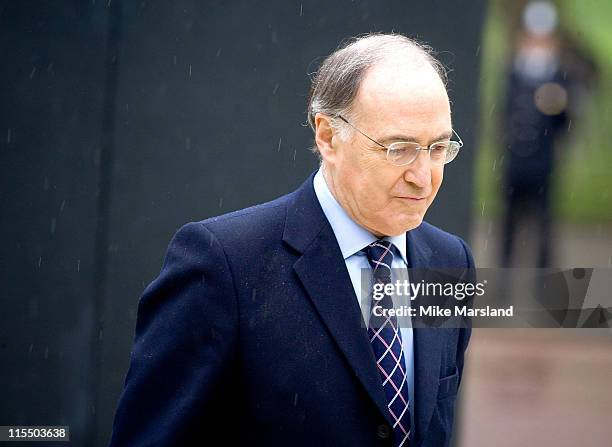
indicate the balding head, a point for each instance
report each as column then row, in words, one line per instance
column 337, row 82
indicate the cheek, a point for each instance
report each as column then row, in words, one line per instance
column 369, row 180
column 437, row 175
column 372, row 194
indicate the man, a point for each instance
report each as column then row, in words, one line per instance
column 253, row 332
column 535, row 118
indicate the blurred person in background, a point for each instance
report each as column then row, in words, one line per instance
column 535, row 116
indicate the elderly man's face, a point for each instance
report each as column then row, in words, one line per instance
column 395, row 103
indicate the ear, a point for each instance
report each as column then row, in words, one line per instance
column 324, row 137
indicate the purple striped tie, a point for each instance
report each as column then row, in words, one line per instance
column 386, row 341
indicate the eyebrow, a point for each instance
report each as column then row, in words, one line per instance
column 401, row 137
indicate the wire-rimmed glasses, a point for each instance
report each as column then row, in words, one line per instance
column 402, row 153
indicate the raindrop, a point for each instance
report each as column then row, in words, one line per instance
column 494, row 165
column 32, row 72
column 189, row 71
column 78, row 265
column 301, row 9
column 31, row 347
column 62, row 205
column 477, row 50
column 39, row 261
column 219, row 52
column 483, row 208
column 275, row 88
column 295, row 400
column 294, row 154
column 174, row 59
column 101, row 334
column 46, row 353
column 279, row 144
column 569, row 125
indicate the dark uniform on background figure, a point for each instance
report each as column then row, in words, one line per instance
column 535, row 115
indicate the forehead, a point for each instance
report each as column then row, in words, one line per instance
column 403, row 95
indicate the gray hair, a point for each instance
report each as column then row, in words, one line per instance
column 336, row 83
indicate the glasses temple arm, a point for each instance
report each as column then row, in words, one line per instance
column 372, row 140
column 460, row 140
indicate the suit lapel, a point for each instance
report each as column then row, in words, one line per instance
column 323, row 273
column 427, row 344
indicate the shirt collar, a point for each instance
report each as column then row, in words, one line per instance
column 351, row 236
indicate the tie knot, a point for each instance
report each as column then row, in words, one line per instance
column 380, row 257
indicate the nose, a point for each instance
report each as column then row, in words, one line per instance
column 419, row 171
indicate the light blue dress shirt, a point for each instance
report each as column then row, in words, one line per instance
column 352, row 238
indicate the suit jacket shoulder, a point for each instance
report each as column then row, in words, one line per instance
column 447, row 250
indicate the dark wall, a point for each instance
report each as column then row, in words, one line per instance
column 120, row 121
column 53, row 93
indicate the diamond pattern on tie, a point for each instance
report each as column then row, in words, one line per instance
column 386, row 341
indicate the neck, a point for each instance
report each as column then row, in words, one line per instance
column 329, row 180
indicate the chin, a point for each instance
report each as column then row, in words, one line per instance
column 403, row 226
column 410, row 222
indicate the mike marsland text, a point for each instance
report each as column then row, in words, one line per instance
column 463, row 311
column 439, row 311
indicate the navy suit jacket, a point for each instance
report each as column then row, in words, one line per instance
column 252, row 334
